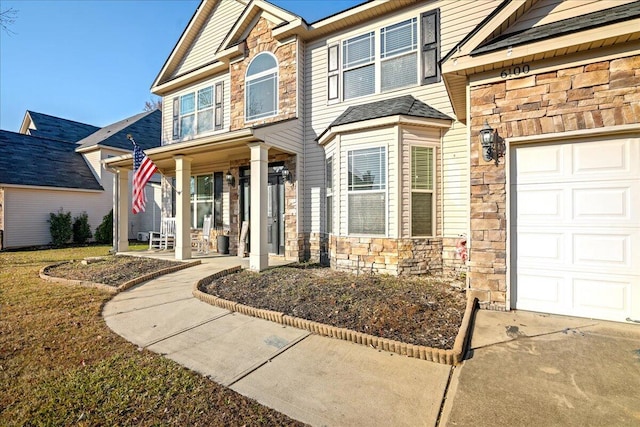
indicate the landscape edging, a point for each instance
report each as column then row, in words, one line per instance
column 113, row 289
column 447, row 357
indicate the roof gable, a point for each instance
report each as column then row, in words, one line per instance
column 35, row 161
column 46, row 126
column 144, row 127
column 201, row 38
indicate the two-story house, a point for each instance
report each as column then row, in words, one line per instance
column 354, row 139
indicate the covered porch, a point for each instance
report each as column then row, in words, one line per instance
column 247, row 185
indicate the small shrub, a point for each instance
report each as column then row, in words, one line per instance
column 81, row 229
column 60, row 227
column 104, row 232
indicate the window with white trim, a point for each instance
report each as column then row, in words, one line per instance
column 329, row 199
column 422, row 180
column 395, row 64
column 206, row 199
column 359, row 71
column 198, row 112
column 261, row 87
column 367, row 191
column 399, row 55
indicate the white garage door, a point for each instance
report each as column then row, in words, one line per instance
column 575, row 210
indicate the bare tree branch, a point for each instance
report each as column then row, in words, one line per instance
column 154, row 103
column 7, row 18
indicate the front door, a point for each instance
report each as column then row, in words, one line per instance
column 275, row 206
column 275, row 214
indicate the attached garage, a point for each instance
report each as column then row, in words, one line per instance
column 575, row 227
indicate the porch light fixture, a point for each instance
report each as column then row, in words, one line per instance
column 286, row 175
column 492, row 145
column 230, row 179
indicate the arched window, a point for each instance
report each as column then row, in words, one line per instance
column 261, row 87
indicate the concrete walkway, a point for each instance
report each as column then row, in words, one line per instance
column 524, row 368
column 317, row 380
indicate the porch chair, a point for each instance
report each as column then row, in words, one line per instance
column 166, row 237
column 203, row 242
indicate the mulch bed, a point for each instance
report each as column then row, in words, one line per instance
column 416, row 310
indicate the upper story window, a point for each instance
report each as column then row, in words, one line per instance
column 387, row 59
column 198, row 112
column 359, row 67
column 398, row 55
column 261, row 87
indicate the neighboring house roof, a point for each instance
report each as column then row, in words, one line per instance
column 51, row 127
column 145, row 128
column 43, row 162
column 567, row 26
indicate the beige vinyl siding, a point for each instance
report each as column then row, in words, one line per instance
column 549, row 11
column 27, row 211
column 93, row 160
column 387, row 138
column 289, row 140
column 167, row 107
column 457, row 19
column 208, row 40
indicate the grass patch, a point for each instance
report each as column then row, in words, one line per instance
column 61, row 365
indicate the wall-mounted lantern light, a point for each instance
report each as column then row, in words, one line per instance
column 493, row 146
column 286, row 174
column 230, row 179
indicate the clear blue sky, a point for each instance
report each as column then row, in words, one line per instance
column 94, row 61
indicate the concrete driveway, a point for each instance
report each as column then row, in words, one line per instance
column 530, row 369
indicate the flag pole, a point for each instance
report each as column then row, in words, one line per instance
column 130, row 138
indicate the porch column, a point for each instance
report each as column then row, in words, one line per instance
column 121, row 210
column 183, row 212
column 259, row 255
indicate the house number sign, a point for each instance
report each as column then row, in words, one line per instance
column 516, row 71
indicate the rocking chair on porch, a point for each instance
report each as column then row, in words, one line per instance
column 203, row 242
column 165, row 239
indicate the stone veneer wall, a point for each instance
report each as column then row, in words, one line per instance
column 605, row 93
column 382, row 255
column 260, row 40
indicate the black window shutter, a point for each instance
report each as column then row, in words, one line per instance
column 430, row 22
column 176, row 117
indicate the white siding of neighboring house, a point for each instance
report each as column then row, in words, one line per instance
column 208, row 40
column 167, row 108
column 457, row 18
column 549, row 11
column 27, row 210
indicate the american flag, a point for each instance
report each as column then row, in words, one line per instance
column 143, row 170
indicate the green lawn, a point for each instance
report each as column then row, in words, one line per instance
column 61, row 365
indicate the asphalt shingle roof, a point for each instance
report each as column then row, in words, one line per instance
column 31, row 160
column 57, row 128
column 567, row 26
column 405, row 105
column 144, row 127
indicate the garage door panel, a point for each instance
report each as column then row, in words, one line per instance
column 540, row 204
column 602, row 251
column 539, row 290
column 606, row 202
column 540, row 163
column 535, row 247
column 594, row 158
column 575, row 225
